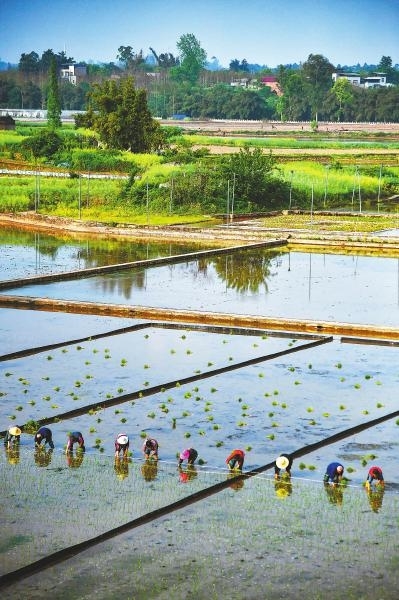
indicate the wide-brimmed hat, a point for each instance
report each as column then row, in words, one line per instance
column 282, row 462
column 14, row 431
column 122, row 439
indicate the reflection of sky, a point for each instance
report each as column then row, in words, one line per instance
column 329, row 287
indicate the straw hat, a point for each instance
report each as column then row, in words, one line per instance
column 122, row 439
column 14, row 431
column 282, row 462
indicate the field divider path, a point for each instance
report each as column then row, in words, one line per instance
column 194, row 316
column 145, row 392
column 156, row 325
column 56, row 558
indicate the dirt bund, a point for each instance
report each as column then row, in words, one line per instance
column 210, row 318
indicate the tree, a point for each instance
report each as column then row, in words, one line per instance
column 130, row 59
column 165, row 60
column 29, row 63
column 253, row 176
column 192, row 59
column 317, row 71
column 120, row 114
column 343, row 91
column 53, row 98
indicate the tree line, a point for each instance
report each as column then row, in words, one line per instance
column 183, row 85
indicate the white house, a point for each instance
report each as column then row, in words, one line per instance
column 373, row 80
column 72, row 73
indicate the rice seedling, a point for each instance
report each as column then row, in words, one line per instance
column 49, row 357
column 379, row 405
column 339, row 365
column 271, row 436
column 187, row 434
column 19, row 408
column 219, row 444
column 342, row 407
column 357, row 386
column 297, row 382
column 310, row 409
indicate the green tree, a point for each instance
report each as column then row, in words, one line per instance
column 53, row 98
column 192, row 59
column 343, row 91
column 120, row 114
column 29, row 63
column 317, row 71
column 253, row 175
column 130, row 59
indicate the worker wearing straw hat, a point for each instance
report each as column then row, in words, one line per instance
column 121, row 444
column 284, row 461
column 150, row 448
column 13, row 435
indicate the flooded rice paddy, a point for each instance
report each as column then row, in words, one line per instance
column 258, row 538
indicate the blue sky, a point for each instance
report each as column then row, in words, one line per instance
column 267, row 32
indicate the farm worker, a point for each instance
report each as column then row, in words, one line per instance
column 44, row 433
column 150, row 448
column 121, row 444
column 375, row 473
column 13, row 436
column 189, row 454
column 284, row 461
column 75, row 438
column 334, row 473
column 236, row 458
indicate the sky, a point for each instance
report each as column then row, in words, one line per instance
column 266, row 32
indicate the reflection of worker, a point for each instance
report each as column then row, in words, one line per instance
column 121, row 444
column 13, row 436
column 12, row 454
column 43, row 456
column 149, row 470
column 75, row 438
column 235, row 460
column 284, row 461
column 150, row 448
column 335, row 493
column 237, row 482
column 44, row 434
column 121, row 467
column 375, row 474
column 334, row 473
column 283, row 487
column 189, row 454
column 375, row 496
column 186, row 475
column 75, row 461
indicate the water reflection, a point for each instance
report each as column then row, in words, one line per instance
column 335, row 493
column 43, row 457
column 12, row 454
column 74, row 461
column 149, row 470
column 24, row 253
column 283, row 486
column 188, row 474
column 237, row 484
column 121, row 467
column 375, row 496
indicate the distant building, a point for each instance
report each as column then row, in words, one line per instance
column 245, row 82
column 370, row 81
column 73, row 73
column 7, row 122
column 271, row 82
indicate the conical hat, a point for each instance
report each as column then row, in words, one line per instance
column 282, row 462
column 14, row 431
